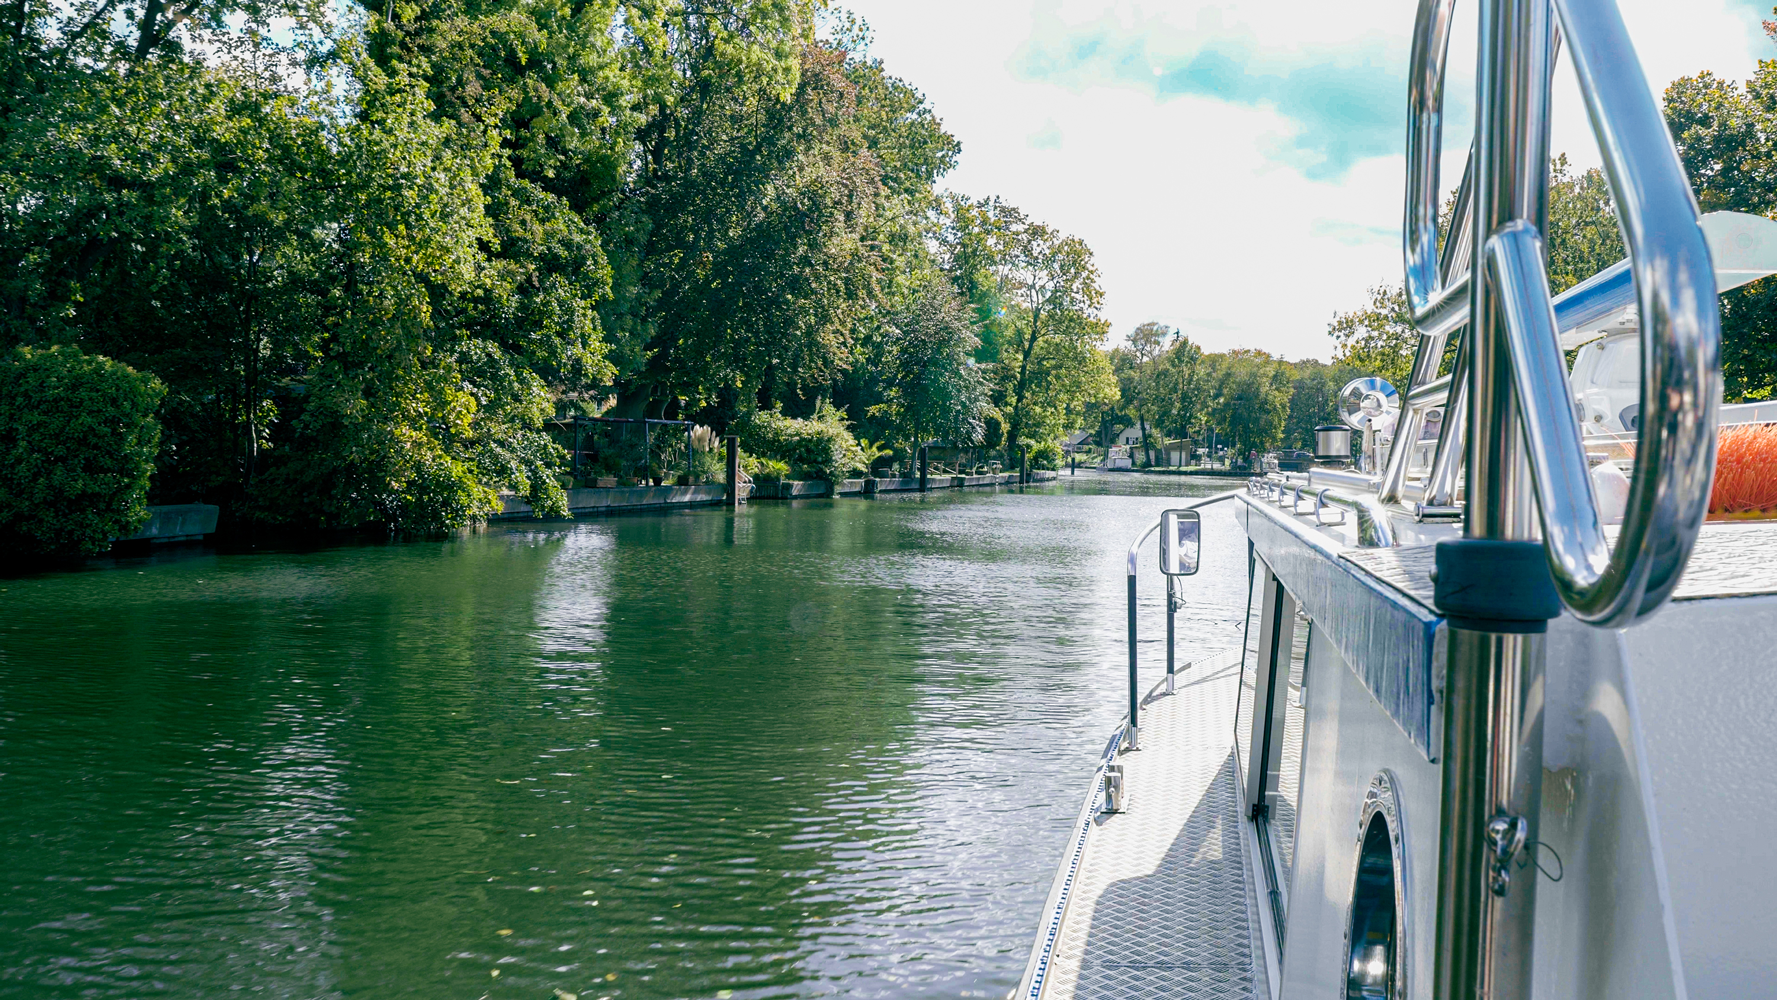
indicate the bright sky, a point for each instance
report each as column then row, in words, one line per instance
column 1236, row 166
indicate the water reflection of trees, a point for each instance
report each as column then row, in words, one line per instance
column 194, row 751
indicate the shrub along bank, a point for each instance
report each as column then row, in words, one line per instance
column 78, row 438
column 821, row 446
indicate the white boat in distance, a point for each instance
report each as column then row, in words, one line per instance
column 1117, row 459
column 1500, row 721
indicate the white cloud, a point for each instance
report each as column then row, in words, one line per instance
column 1192, row 204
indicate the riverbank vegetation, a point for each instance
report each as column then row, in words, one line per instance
column 77, row 445
column 366, row 254
column 369, row 252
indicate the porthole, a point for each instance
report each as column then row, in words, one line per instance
column 1375, row 952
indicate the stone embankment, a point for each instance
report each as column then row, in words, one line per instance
column 589, row 502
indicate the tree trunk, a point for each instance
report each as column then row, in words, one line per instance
column 1015, row 426
column 145, row 29
column 632, row 403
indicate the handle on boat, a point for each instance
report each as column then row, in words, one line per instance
column 1680, row 348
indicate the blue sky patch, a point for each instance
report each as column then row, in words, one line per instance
column 1348, row 104
column 1354, row 234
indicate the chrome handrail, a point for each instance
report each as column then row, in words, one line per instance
column 1425, row 119
column 1436, row 283
column 1524, row 453
column 1375, row 528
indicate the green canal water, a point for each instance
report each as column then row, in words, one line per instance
column 828, row 749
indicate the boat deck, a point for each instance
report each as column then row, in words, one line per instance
column 1159, row 900
column 1732, row 559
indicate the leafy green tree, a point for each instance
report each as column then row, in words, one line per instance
column 1179, row 388
column 370, row 255
column 1314, row 394
column 1050, row 359
column 1249, row 398
column 77, row 444
column 931, row 386
column 1583, row 235
column 772, row 233
column 304, row 276
column 969, row 236
column 1379, row 338
column 184, row 252
column 1727, row 139
column 1138, row 375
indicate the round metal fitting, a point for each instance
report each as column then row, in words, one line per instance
column 1376, row 918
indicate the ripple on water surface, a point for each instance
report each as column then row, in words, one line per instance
column 832, row 749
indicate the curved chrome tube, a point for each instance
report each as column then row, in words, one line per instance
column 1437, row 289
column 1131, row 732
column 1425, row 119
column 1135, row 546
column 1680, row 347
column 1320, row 504
column 1674, row 285
column 1374, row 529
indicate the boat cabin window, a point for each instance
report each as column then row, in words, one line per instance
column 1282, row 776
column 1260, row 585
column 1270, row 725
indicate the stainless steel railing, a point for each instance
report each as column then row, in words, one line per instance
column 1680, row 345
column 1509, row 413
column 1673, row 283
column 1375, row 529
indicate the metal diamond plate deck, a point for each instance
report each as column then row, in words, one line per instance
column 1162, row 901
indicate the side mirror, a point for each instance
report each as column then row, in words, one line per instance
column 1181, row 538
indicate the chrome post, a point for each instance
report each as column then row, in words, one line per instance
column 1492, row 767
column 1171, row 614
column 1133, row 728
column 1446, row 463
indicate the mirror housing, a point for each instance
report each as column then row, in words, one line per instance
column 1181, row 542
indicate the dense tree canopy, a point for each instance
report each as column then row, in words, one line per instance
column 1727, row 138
column 370, row 251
